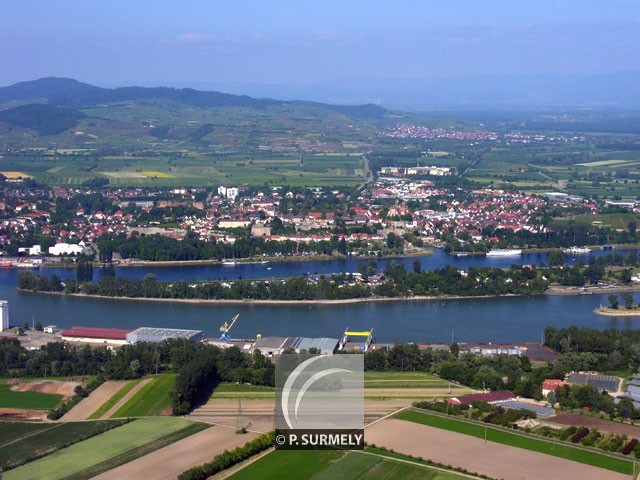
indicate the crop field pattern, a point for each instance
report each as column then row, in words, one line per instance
column 152, row 399
column 166, row 170
column 556, row 449
column 21, row 441
column 98, row 449
column 332, row 464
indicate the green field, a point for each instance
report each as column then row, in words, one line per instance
column 333, row 464
column 613, row 220
column 557, row 449
column 152, row 399
column 22, row 441
column 29, row 400
column 195, row 169
column 403, row 380
column 106, row 406
column 101, row 448
column 235, row 390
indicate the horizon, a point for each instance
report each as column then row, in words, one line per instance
column 357, row 53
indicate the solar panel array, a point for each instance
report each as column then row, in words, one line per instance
column 540, row 411
column 601, row 382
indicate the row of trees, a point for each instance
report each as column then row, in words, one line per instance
column 396, row 282
column 160, row 248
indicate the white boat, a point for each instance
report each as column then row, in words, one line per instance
column 504, row 252
column 577, row 251
column 229, row 263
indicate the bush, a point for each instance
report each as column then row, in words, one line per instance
column 628, row 448
column 583, row 432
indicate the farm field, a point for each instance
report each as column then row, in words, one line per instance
column 242, row 391
column 117, row 393
column 27, row 400
column 22, row 441
column 557, row 449
column 615, row 220
column 89, row 404
column 152, row 399
column 489, row 458
column 108, row 449
column 193, row 169
column 168, row 462
column 601, row 425
column 414, row 385
column 333, row 464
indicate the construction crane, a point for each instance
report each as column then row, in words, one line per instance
column 226, row 327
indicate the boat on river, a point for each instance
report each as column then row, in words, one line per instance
column 504, row 252
column 577, row 251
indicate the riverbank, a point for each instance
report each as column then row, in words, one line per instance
column 344, row 301
column 243, row 261
column 617, row 312
column 592, row 290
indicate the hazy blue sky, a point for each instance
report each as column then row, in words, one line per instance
column 347, row 43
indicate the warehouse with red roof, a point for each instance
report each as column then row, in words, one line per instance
column 110, row 336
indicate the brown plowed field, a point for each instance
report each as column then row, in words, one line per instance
column 464, row 451
column 47, row 386
column 590, row 422
column 170, row 461
column 257, row 415
column 21, row 414
column 93, row 402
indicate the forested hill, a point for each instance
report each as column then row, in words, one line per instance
column 65, row 92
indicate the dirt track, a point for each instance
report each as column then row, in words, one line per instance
column 94, row 401
column 464, row 451
column 590, row 422
column 170, row 461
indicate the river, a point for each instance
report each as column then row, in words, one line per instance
column 506, row 319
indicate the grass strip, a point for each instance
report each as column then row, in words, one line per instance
column 152, row 399
column 138, row 452
column 556, row 449
column 119, row 395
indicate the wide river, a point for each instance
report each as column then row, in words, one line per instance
column 482, row 320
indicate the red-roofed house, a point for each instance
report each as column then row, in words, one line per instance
column 552, row 385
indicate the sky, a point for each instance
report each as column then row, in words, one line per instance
column 348, row 45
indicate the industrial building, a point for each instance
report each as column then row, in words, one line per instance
column 155, row 335
column 275, row 346
column 4, row 315
column 111, row 336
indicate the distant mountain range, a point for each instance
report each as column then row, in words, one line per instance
column 54, row 106
column 66, row 92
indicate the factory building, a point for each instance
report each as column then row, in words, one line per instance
column 155, row 335
column 4, row 315
column 275, row 346
column 111, row 336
